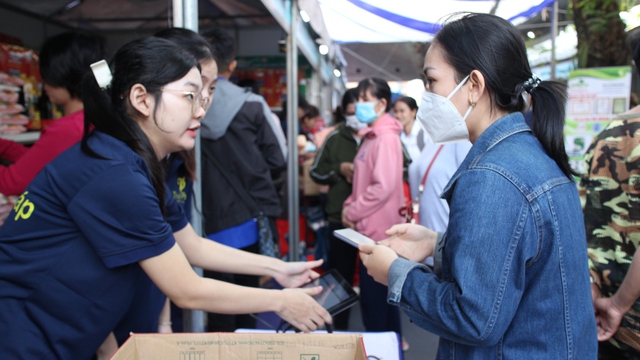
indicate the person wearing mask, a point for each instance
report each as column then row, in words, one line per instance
column 377, row 193
column 239, row 150
column 333, row 166
column 98, row 217
column 612, row 220
column 513, row 279
column 64, row 60
column 429, row 173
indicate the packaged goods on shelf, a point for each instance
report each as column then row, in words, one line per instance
column 20, row 89
column 7, row 129
column 13, row 119
column 9, row 93
column 9, row 108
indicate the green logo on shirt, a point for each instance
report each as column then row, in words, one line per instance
column 23, row 207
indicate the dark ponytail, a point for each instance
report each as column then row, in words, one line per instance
column 548, row 101
column 151, row 62
column 493, row 46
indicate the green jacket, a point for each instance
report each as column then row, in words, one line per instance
column 339, row 147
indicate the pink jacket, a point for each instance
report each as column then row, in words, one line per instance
column 377, row 182
column 27, row 162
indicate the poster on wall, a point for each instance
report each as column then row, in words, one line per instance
column 596, row 95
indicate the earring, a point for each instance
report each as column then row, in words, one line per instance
column 471, row 103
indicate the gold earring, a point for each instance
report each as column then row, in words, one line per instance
column 472, row 103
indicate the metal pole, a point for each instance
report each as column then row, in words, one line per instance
column 178, row 18
column 554, row 34
column 185, row 15
column 190, row 14
column 292, row 135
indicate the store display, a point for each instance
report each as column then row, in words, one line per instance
column 12, row 118
column 267, row 76
column 21, row 92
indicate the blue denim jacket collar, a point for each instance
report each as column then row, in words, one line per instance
column 501, row 129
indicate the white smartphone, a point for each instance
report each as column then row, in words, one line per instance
column 353, row 237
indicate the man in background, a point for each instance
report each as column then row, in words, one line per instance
column 240, row 155
column 611, row 187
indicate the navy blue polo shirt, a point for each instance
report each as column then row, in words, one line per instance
column 69, row 251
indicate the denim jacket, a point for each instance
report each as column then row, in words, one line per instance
column 514, row 282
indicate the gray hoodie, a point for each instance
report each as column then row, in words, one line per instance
column 228, row 99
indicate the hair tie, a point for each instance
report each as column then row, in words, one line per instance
column 102, row 73
column 531, row 84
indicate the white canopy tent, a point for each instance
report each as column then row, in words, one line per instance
column 383, row 38
column 376, row 21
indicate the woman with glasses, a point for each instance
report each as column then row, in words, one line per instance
column 97, row 220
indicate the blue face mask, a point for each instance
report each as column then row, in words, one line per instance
column 365, row 111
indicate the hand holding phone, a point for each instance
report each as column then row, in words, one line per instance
column 353, row 237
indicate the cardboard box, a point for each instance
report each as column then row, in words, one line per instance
column 242, row 346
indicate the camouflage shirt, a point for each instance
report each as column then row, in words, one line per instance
column 611, row 190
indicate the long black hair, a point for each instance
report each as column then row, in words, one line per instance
column 197, row 46
column 65, row 59
column 152, row 62
column 189, row 40
column 493, row 46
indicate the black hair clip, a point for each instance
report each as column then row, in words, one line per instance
column 531, row 84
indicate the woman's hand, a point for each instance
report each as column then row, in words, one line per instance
column 411, row 241
column 302, row 311
column 377, row 259
column 295, row 274
column 345, row 220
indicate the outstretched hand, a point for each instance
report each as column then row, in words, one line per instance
column 302, row 311
column 295, row 274
column 411, row 241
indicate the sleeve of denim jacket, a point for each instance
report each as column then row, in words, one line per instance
column 482, row 282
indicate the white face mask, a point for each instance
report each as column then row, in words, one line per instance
column 353, row 123
column 441, row 119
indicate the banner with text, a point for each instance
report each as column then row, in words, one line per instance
column 596, row 95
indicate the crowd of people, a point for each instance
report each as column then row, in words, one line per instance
column 502, row 261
